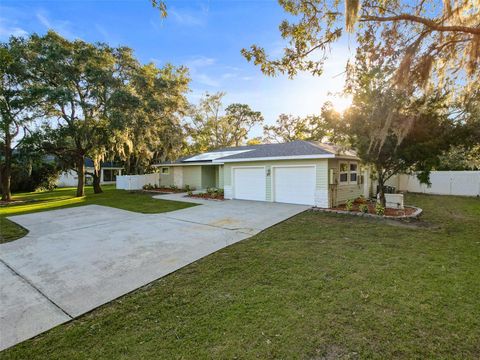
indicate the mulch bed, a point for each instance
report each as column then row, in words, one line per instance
column 208, row 196
column 165, row 190
column 371, row 210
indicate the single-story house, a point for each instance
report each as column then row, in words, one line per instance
column 108, row 174
column 298, row 172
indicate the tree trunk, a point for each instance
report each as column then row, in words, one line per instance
column 97, row 189
column 381, row 189
column 6, row 170
column 81, row 176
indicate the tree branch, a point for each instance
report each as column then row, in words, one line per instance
column 420, row 20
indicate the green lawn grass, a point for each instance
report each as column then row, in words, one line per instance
column 317, row 286
column 65, row 197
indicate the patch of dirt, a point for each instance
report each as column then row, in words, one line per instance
column 335, row 352
column 224, row 222
column 411, row 224
column 15, row 202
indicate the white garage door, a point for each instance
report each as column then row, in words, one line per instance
column 294, row 185
column 249, row 183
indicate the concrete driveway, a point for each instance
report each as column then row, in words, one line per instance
column 74, row 260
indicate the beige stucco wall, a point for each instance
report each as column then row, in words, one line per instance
column 208, row 176
column 219, row 176
column 166, row 179
column 192, row 176
column 199, row 177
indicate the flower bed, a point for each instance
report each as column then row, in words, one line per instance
column 371, row 206
column 210, row 194
column 166, row 190
column 207, row 196
column 364, row 207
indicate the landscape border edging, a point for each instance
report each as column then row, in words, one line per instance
column 418, row 211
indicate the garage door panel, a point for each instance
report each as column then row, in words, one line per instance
column 295, row 185
column 249, row 183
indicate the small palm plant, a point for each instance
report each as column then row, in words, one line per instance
column 349, row 205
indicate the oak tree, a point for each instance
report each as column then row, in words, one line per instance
column 17, row 105
column 430, row 40
column 213, row 127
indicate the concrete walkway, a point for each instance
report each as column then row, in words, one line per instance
column 74, row 260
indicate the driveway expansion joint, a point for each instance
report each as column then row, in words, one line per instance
column 27, row 281
column 214, row 226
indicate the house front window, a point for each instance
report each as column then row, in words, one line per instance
column 110, row 175
column 348, row 173
column 344, row 173
column 353, row 173
column 165, row 170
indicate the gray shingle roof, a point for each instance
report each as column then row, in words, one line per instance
column 294, row 148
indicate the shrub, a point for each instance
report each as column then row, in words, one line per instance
column 379, row 209
column 174, row 187
column 363, row 208
column 189, row 188
column 36, row 176
column 189, row 192
column 349, row 205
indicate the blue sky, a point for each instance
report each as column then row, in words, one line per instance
column 206, row 36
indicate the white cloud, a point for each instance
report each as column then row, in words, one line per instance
column 198, row 67
column 109, row 37
column 199, row 62
column 43, row 20
column 9, row 28
column 62, row 27
column 184, row 18
column 206, row 80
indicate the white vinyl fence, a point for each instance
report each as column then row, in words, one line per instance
column 136, row 182
column 466, row 183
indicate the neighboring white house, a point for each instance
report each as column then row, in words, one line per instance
column 298, row 172
column 108, row 174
